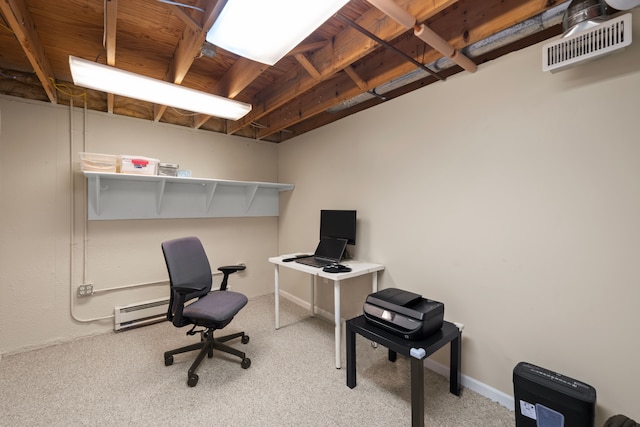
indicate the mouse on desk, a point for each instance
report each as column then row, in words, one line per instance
column 336, row 268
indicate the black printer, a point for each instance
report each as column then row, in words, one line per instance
column 404, row 313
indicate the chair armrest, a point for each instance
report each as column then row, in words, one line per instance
column 229, row 269
column 187, row 288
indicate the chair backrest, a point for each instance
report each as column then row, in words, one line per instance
column 187, row 264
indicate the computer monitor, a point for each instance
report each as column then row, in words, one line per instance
column 339, row 224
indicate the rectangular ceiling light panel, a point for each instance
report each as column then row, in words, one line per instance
column 266, row 30
column 113, row 80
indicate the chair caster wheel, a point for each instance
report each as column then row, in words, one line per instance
column 245, row 339
column 246, row 362
column 193, row 380
column 168, row 360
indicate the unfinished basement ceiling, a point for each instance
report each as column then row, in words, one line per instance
column 357, row 59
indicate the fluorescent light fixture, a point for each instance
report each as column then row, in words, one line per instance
column 266, row 30
column 112, row 80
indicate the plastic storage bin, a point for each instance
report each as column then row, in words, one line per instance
column 97, row 162
column 138, row 165
column 168, row 169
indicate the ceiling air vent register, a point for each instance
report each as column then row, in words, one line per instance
column 600, row 39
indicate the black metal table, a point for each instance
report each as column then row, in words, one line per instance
column 417, row 351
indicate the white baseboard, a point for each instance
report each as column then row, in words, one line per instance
column 471, row 383
column 307, row 306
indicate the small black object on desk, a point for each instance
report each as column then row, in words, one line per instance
column 336, row 268
column 416, row 350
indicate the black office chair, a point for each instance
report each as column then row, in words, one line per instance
column 190, row 278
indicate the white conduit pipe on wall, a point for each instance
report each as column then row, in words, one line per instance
column 72, row 236
column 424, row 33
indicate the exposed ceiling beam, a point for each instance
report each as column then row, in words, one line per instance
column 239, row 76
column 347, row 47
column 244, row 72
column 19, row 19
column 359, row 81
column 307, row 65
column 186, row 18
column 189, row 47
column 307, row 47
column 389, row 66
column 111, row 19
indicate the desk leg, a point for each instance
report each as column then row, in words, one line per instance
column 454, row 365
column 351, row 356
column 417, row 392
column 374, row 282
column 336, row 319
column 312, row 310
column 277, row 295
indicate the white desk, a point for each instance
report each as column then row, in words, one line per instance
column 358, row 268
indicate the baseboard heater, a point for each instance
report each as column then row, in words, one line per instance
column 141, row 313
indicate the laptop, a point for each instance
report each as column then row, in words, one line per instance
column 329, row 251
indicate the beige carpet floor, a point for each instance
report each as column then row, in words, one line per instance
column 120, row 379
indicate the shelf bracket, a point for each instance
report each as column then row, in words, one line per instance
column 251, row 195
column 160, row 195
column 211, row 191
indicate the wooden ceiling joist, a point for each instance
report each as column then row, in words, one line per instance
column 307, row 65
column 20, row 22
column 329, row 94
column 188, row 48
column 111, row 19
column 236, row 79
column 313, row 86
column 359, row 81
column 242, row 73
column 346, row 48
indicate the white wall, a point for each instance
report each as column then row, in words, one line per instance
column 512, row 196
column 36, row 146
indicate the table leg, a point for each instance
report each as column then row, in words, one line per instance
column 277, row 295
column 336, row 319
column 417, row 392
column 351, row 357
column 454, row 365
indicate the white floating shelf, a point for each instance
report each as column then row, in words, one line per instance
column 122, row 196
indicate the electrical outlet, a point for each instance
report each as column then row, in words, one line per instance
column 85, row 290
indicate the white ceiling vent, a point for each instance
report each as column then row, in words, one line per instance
column 601, row 39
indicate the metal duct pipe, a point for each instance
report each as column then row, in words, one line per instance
column 547, row 19
column 623, row 4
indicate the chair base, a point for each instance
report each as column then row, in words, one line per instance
column 206, row 346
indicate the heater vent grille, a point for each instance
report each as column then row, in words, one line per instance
column 141, row 313
column 594, row 42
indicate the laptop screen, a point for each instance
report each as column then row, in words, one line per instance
column 331, row 248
